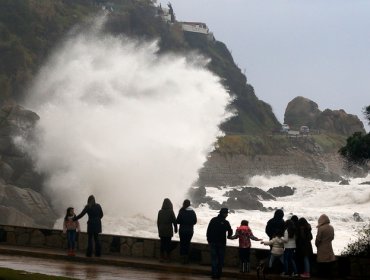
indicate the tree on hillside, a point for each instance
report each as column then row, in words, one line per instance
column 357, row 149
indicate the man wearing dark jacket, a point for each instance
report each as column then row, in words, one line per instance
column 276, row 224
column 216, row 237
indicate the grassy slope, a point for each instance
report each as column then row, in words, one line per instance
column 10, row 274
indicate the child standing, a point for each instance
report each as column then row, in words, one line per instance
column 277, row 248
column 290, row 248
column 71, row 227
column 245, row 234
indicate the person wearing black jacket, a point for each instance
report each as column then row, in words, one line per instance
column 95, row 214
column 275, row 225
column 186, row 219
column 216, row 237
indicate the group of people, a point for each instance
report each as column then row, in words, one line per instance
column 289, row 241
column 71, row 226
column 167, row 225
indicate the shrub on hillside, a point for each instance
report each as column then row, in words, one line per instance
column 361, row 246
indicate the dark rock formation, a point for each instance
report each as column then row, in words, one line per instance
column 281, row 191
column 302, row 111
column 344, row 182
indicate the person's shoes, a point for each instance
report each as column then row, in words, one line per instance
column 73, row 254
column 305, row 275
column 294, row 274
column 283, row 274
column 69, row 253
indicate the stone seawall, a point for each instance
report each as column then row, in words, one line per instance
column 141, row 248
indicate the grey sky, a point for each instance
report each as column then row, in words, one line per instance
column 319, row 49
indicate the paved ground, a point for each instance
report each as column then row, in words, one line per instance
column 49, row 261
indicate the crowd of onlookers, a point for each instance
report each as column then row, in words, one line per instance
column 289, row 240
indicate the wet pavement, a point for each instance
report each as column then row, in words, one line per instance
column 52, row 262
column 79, row 270
column 111, row 267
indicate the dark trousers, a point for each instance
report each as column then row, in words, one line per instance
column 244, row 254
column 185, row 238
column 165, row 244
column 71, row 239
column 95, row 236
column 325, row 269
column 217, row 258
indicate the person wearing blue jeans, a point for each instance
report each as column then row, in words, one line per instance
column 290, row 247
column 216, row 237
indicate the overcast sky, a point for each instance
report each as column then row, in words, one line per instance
column 319, row 49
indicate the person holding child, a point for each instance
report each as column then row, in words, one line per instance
column 95, row 214
column 70, row 227
column 245, row 234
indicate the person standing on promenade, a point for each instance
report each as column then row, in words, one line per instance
column 95, row 214
column 165, row 221
column 275, row 225
column 323, row 242
column 186, row 219
column 304, row 246
column 216, row 237
column 245, row 234
column 70, row 227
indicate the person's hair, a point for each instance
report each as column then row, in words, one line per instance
column 167, row 204
column 244, row 223
column 294, row 218
column 186, row 203
column 67, row 212
column 303, row 222
column 290, row 228
column 91, row 201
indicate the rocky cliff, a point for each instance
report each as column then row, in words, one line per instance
column 21, row 202
column 312, row 156
column 302, row 111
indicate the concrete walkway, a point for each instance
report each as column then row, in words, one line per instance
column 164, row 269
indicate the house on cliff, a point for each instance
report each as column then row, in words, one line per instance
column 196, row 27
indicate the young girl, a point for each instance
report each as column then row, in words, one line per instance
column 244, row 233
column 277, row 248
column 70, row 227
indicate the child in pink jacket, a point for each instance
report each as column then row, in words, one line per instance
column 245, row 234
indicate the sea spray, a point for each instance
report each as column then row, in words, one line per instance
column 121, row 122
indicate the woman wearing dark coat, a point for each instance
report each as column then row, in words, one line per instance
column 304, row 246
column 166, row 223
column 186, row 219
column 95, row 214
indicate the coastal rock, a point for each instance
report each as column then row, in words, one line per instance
column 344, row 182
column 302, row 111
column 30, row 206
column 281, row 191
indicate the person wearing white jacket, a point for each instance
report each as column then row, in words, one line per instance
column 290, row 248
column 277, row 248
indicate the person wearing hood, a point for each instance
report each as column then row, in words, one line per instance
column 245, row 234
column 323, row 242
column 216, row 237
column 275, row 225
column 95, row 214
column 186, row 219
column 166, row 223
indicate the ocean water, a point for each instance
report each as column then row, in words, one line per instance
column 311, row 199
